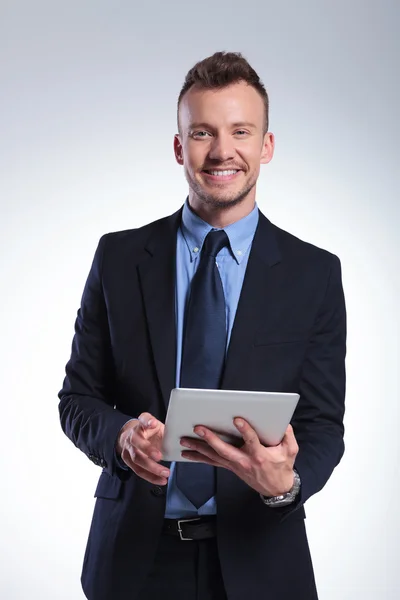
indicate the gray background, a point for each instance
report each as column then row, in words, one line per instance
column 87, row 118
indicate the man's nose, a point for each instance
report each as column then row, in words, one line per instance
column 222, row 148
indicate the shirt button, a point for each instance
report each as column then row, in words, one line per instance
column 239, row 253
column 195, row 249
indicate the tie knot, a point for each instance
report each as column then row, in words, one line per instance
column 214, row 242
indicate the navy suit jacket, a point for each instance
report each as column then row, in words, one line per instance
column 289, row 335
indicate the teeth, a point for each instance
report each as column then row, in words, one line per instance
column 223, row 173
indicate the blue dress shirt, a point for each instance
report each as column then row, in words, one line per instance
column 232, row 263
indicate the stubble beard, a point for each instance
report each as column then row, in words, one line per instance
column 213, row 200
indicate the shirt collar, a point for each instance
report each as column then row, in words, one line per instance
column 240, row 234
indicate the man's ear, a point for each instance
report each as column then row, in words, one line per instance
column 268, row 148
column 178, row 150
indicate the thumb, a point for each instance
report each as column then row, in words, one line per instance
column 290, row 442
column 148, row 421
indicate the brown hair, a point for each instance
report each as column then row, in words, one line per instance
column 220, row 70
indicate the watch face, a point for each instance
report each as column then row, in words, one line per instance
column 277, row 502
column 287, row 500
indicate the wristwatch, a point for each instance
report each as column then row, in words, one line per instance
column 284, row 499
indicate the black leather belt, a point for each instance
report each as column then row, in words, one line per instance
column 200, row 528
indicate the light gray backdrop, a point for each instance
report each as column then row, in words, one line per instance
column 87, row 118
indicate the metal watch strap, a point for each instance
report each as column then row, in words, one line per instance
column 287, row 498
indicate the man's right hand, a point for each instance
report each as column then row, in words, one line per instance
column 139, row 445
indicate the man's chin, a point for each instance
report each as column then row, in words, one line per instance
column 223, row 200
column 222, row 196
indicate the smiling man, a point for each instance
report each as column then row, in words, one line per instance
column 214, row 296
column 223, row 140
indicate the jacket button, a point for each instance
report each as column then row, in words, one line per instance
column 157, row 491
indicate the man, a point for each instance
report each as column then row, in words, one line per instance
column 212, row 296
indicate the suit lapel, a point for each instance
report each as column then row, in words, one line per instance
column 157, row 279
column 258, row 301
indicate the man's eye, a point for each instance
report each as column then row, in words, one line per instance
column 200, row 134
column 240, row 132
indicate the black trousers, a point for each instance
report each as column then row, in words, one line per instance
column 185, row 570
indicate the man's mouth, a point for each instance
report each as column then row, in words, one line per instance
column 221, row 174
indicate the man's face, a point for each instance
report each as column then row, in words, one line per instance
column 222, row 143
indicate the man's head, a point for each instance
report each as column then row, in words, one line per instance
column 223, row 126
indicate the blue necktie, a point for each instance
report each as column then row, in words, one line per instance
column 203, row 354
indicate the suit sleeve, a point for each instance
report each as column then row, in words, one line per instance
column 87, row 407
column 318, row 419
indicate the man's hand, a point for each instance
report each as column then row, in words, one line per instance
column 269, row 471
column 139, row 444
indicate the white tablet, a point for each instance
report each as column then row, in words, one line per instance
column 268, row 412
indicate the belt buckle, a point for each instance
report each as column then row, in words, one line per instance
column 185, row 539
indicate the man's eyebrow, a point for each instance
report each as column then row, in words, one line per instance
column 234, row 125
column 244, row 124
column 200, row 126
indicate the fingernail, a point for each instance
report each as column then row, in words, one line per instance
column 239, row 423
column 186, row 444
column 165, row 473
column 200, row 432
column 149, row 422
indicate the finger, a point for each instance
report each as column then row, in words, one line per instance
column 289, row 441
column 130, row 457
column 150, row 427
column 130, row 454
column 249, row 435
column 148, row 421
column 201, row 458
column 203, row 451
column 225, row 451
column 145, row 462
column 137, row 440
column 150, row 477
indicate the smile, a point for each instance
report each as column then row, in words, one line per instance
column 221, row 175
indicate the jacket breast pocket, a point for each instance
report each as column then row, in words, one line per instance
column 276, row 361
column 270, row 338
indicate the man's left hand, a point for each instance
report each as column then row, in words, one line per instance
column 268, row 470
